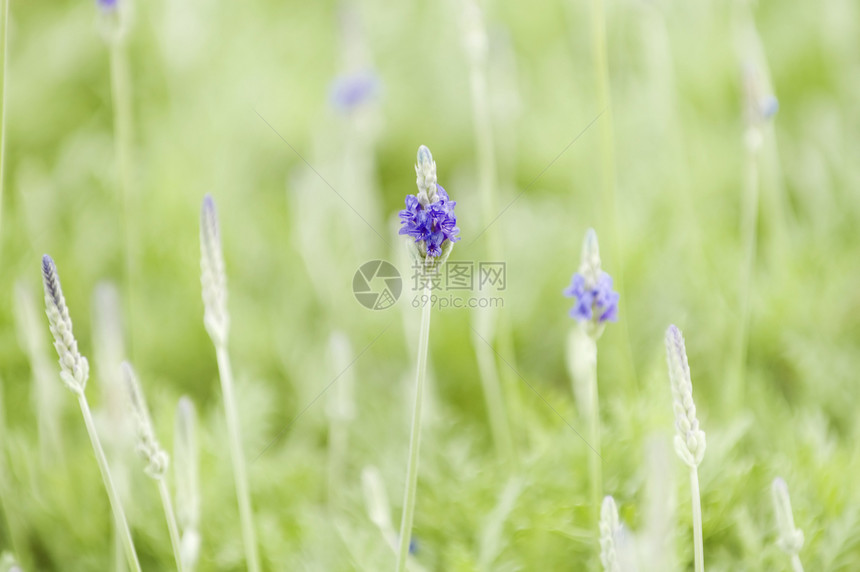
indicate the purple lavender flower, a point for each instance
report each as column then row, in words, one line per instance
column 107, row 5
column 768, row 106
column 350, row 91
column 434, row 223
column 597, row 302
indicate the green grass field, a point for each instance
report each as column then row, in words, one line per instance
column 738, row 226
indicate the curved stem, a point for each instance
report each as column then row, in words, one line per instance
column 595, row 464
column 172, row 528
column 122, row 125
column 499, row 416
column 749, row 224
column 499, row 426
column 796, row 565
column 113, row 495
column 5, row 59
column 415, row 437
column 607, row 161
column 698, row 545
column 236, row 454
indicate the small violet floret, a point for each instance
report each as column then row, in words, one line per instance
column 597, row 302
column 350, row 91
column 434, row 223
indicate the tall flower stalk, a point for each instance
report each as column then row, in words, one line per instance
column 216, row 319
column 4, row 60
column 604, row 94
column 186, row 458
column 429, row 221
column 485, row 325
column 689, row 439
column 108, row 352
column 74, row 371
column 115, row 20
column 759, row 108
column 340, row 410
column 596, row 304
column 790, row 538
column 600, row 54
column 151, row 451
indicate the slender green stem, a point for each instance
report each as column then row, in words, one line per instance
column 595, row 464
column 415, row 437
column 121, row 95
column 796, row 565
column 5, row 59
column 500, row 421
column 698, row 545
column 169, row 515
column 337, row 447
column 607, row 148
column 501, row 429
column 118, row 550
column 749, row 237
column 122, row 124
column 18, row 539
column 484, row 146
column 607, row 161
column 245, row 514
column 113, row 495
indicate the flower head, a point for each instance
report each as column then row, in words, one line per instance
column 114, row 20
column 790, row 538
column 429, row 216
column 689, row 439
column 768, row 106
column 74, row 368
column 213, row 278
column 760, row 106
column 148, row 446
column 596, row 301
column 609, row 529
column 350, row 91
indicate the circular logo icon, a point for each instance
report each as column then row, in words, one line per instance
column 377, row 285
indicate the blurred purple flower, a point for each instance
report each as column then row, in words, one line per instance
column 598, row 303
column 349, row 91
column 107, row 4
column 434, row 224
column 768, row 105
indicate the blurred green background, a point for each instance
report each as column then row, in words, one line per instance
column 234, row 99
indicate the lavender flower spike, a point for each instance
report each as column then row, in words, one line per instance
column 609, row 529
column 349, row 92
column 74, row 371
column 429, row 217
column 74, row 368
column 148, row 446
column 790, row 538
column 213, row 278
column 596, row 301
column 690, row 439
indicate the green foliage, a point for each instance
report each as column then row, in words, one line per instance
column 233, row 99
